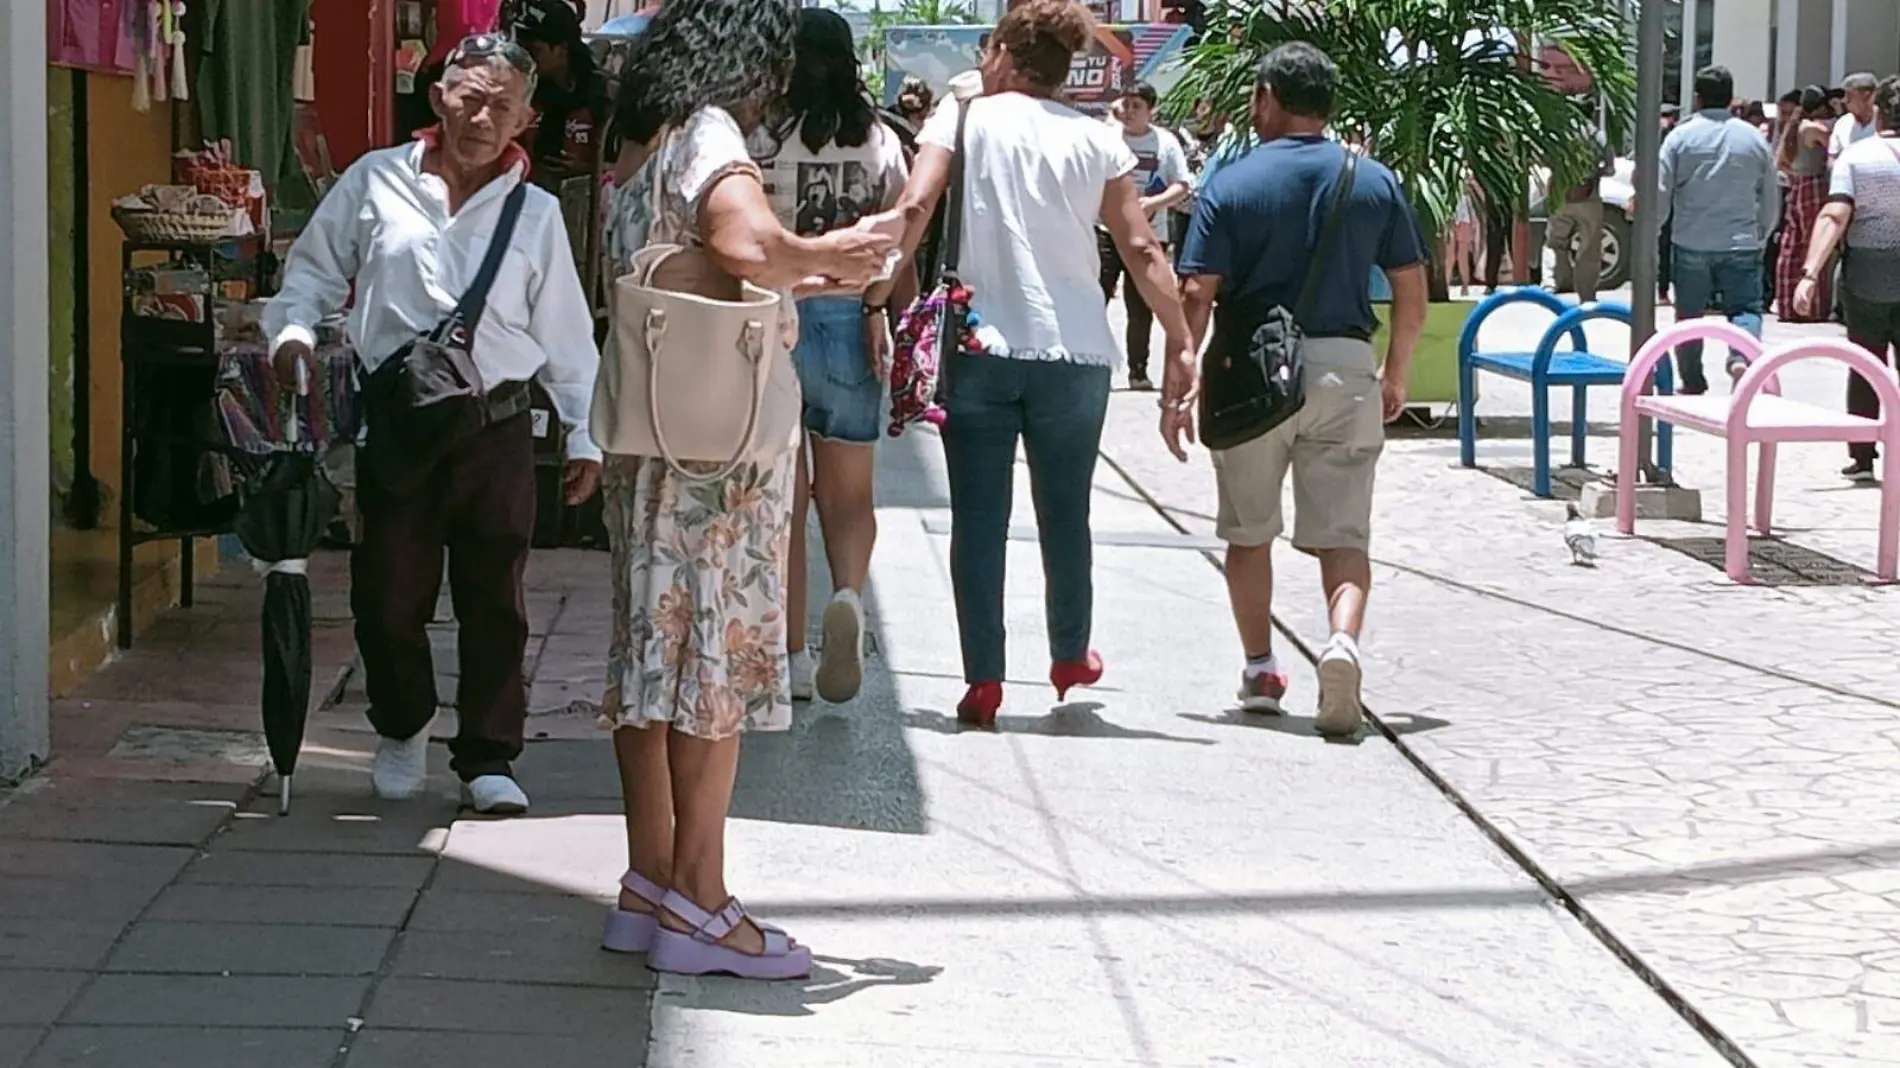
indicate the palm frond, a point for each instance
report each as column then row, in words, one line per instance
column 1437, row 88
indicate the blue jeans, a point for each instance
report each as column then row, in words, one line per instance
column 844, row 401
column 1056, row 410
column 1700, row 278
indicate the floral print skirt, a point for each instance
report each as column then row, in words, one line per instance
column 699, row 598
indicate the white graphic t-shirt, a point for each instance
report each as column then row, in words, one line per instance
column 814, row 193
column 1159, row 163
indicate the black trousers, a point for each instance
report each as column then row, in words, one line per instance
column 1141, row 318
column 1874, row 326
column 476, row 510
column 1500, row 226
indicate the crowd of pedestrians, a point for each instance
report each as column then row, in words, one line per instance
column 746, row 149
column 1801, row 211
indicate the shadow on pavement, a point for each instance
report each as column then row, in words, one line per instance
column 1079, row 720
column 1399, row 723
column 832, row 980
column 1775, row 563
column 1492, row 427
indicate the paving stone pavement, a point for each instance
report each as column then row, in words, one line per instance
column 1709, row 768
column 156, row 912
column 1136, row 877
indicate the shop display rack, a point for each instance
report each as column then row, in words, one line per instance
column 170, row 375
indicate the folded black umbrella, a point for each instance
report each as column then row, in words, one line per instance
column 286, row 510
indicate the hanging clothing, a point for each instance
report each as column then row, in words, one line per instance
column 1807, row 195
column 457, row 19
column 246, row 85
column 92, row 34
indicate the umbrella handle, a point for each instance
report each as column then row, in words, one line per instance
column 303, row 390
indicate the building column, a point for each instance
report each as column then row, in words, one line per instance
column 1690, row 31
column 25, row 460
column 1787, row 47
column 1741, row 44
column 1837, row 71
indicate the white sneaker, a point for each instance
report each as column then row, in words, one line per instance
column 841, row 666
column 401, row 769
column 495, row 795
column 1340, row 711
column 801, row 675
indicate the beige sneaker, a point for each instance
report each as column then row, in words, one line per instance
column 841, row 661
column 1340, row 711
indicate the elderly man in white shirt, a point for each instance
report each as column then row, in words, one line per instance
column 1857, row 91
column 410, row 227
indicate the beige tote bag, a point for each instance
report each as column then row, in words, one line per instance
column 696, row 379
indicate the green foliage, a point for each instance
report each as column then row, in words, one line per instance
column 1436, row 88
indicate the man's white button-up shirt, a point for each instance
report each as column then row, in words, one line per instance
column 386, row 226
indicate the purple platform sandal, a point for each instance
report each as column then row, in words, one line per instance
column 698, row 952
column 627, row 931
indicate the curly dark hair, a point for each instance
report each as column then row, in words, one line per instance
column 826, row 101
column 1043, row 36
column 707, row 53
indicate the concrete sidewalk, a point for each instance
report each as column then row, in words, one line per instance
column 1708, row 768
column 1137, row 878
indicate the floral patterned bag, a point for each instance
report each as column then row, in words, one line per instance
column 938, row 324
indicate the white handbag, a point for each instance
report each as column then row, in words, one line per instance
column 696, row 379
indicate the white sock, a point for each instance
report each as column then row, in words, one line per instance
column 1345, row 641
column 1266, row 665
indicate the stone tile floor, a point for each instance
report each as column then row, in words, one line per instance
column 1711, row 770
column 156, row 912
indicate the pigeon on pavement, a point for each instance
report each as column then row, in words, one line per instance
column 1579, row 538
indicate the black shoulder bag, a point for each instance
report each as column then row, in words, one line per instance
column 428, row 396
column 1252, row 378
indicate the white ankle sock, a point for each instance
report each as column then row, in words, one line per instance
column 1266, row 665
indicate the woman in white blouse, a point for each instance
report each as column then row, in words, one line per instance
column 1038, row 175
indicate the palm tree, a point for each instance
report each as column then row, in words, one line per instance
column 1437, row 89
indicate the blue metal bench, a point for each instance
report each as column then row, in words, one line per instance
column 1576, row 367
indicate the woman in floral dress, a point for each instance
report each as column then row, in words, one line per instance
column 699, row 647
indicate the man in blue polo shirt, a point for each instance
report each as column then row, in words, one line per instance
column 1248, row 249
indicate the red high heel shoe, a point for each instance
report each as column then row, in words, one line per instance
column 1064, row 675
column 979, row 705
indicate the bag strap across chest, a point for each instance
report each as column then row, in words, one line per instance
column 459, row 327
column 1328, row 237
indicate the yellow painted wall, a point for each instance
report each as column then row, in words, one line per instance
column 128, row 150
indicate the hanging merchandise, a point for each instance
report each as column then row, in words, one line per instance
column 456, row 19
column 175, row 38
column 246, row 72
column 155, row 14
column 138, row 24
column 95, row 35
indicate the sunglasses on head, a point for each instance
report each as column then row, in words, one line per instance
column 489, row 45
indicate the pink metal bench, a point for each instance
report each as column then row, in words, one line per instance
column 1757, row 414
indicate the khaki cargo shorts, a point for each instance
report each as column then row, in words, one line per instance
column 1331, row 445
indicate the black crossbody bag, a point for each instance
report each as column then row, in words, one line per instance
column 428, row 396
column 1253, row 376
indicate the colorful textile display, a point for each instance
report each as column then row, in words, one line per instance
column 255, row 411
